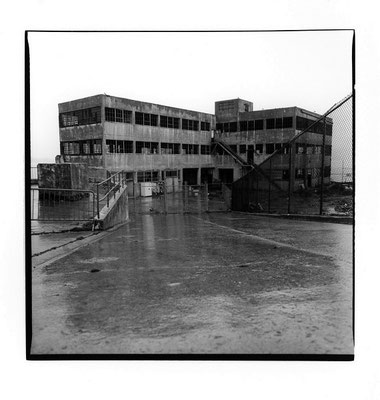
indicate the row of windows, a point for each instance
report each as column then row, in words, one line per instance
column 256, row 125
column 155, row 176
column 82, row 147
column 304, row 123
column 93, row 116
column 126, row 146
column 270, row 148
column 118, row 115
column 80, row 117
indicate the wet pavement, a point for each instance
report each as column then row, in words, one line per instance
column 201, row 283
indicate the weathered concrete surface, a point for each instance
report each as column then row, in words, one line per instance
column 218, row 283
column 117, row 211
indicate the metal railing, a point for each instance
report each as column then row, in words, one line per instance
column 48, row 204
column 110, row 186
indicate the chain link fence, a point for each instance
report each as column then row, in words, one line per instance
column 311, row 174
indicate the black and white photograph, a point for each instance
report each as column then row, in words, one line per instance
column 191, row 194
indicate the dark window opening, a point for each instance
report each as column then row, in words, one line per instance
column 270, row 123
column 147, row 176
column 233, row 126
column 205, row 149
column 119, row 115
column 233, row 147
column 86, row 116
column 259, row 148
column 243, row 126
column 287, row 122
column 226, row 127
column 285, row 174
column 127, row 116
column 170, row 148
column 147, row 147
column 300, row 173
column 259, row 125
column 278, row 123
column 251, row 125
column 83, row 147
column 139, row 118
column 243, row 149
column 153, row 119
column 190, row 149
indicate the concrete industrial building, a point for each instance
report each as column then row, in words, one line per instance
column 153, row 142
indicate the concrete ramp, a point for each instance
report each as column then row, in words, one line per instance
column 115, row 213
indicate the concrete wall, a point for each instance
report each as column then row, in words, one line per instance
column 117, row 213
column 63, row 176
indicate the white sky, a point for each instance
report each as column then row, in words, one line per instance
column 187, row 70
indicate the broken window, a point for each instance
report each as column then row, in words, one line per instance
column 147, row 147
column 80, row 117
column 163, row 121
column 219, row 127
column 278, row 123
column 205, row 126
column 242, row 148
column 226, row 127
column 270, row 123
column 259, row 148
column 251, row 125
column 170, row 148
column 146, row 119
column 127, row 116
column 97, row 146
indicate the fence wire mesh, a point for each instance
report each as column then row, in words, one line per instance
column 311, row 174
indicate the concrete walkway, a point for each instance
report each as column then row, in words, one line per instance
column 207, row 283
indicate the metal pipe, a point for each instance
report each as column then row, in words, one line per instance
column 322, row 167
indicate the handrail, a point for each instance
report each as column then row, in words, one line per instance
column 117, row 181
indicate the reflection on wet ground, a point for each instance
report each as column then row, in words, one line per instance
column 215, row 283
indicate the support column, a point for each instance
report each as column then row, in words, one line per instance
column 199, row 176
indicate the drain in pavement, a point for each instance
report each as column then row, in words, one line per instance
column 95, row 270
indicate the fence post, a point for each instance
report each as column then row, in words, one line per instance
column 206, row 190
column 186, row 196
column 269, row 182
column 165, row 199
column 290, row 189
column 97, row 199
column 323, row 166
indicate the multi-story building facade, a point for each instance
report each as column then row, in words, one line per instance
column 152, row 142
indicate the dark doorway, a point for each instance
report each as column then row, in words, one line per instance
column 226, row 175
column 250, row 154
column 190, row 176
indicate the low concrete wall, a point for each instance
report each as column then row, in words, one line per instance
column 117, row 212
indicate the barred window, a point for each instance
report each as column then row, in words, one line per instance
column 110, row 114
column 119, row 115
column 146, row 119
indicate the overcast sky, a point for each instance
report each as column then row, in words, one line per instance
column 186, row 70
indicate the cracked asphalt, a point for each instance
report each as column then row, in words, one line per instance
column 200, row 284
